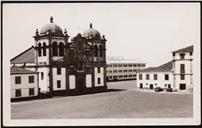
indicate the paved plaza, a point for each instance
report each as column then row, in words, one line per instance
column 124, row 101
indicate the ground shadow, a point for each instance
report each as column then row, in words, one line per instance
column 44, row 96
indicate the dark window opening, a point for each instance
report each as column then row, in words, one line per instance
column 17, row 80
column 39, row 49
column 120, row 76
column 98, row 80
column 59, row 71
column 42, row 76
column 31, row 79
column 155, row 77
column 182, row 68
column 31, row 91
column 101, row 51
column 96, row 51
column 147, row 76
column 61, row 49
column 55, row 49
column 58, row 84
column 166, row 77
column 44, row 49
column 17, row 93
column 98, row 70
column 125, row 76
column 182, row 56
column 140, row 76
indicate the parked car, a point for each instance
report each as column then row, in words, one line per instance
column 169, row 90
column 158, row 89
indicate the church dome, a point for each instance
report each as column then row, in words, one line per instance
column 52, row 27
column 91, row 32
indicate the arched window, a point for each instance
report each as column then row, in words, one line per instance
column 44, row 49
column 39, row 49
column 100, row 49
column 96, row 51
column 55, row 49
column 61, row 49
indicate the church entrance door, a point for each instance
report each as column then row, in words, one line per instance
column 80, row 81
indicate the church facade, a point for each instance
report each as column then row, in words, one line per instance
column 66, row 67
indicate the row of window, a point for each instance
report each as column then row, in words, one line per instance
column 59, row 72
column 18, row 92
column 59, row 82
column 57, row 49
column 155, row 77
column 182, row 55
column 126, row 65
column 181, row 86
column 115, row 71
column 121, row 76
column 18, row 79
column 151, row 86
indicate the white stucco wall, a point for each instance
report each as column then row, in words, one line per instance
column 188, row 70
column 61, row 77
column 188, row 67
column 160, row 82
column 99, row 75
column 24, row 86
column 88, row 80
column 44, row 84
column 72, row 82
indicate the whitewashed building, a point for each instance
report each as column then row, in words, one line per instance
column 183, row 68
column 176, row 74
column 24, row 83
column 66, row 67
column 153, row 77
column 125, row 69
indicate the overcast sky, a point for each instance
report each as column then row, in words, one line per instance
column 142, row 31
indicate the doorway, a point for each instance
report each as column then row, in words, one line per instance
column 182, row 86
column 151, row 86
column 141, row 86
column 80, row 81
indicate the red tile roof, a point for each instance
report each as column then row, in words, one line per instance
column 28, row 56
column 162, row 68
column 187, row 49
column 18, row 70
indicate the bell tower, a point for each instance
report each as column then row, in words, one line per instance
column 51, row 46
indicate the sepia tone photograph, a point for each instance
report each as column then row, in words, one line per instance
column 101, row 63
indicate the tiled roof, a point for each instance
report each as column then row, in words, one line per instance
column 187, row 49
column 18, row 70
column 25, row 57
column 162, row 68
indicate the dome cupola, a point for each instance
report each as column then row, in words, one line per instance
column 52, row 28
column 91, row 33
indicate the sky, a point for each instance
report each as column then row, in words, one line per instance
column 146, row 32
